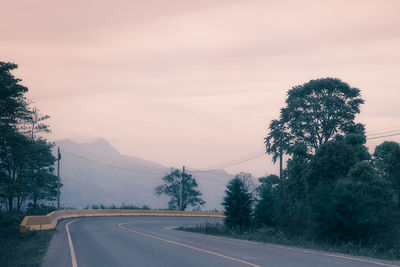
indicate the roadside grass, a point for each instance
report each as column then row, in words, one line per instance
column 278, row 236
column 21, row 249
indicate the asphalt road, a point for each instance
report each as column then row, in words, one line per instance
column 151, row 241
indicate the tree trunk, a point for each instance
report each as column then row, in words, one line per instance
column 10, row 203
column 19, row 201
column 35, row 200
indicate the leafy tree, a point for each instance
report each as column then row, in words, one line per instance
column 39, row 171
column 357, row 143
column 330, row 163
column 35, row 124
column 278, row 142
column 25, row 160
column 172, row 185
column 296, row 186
column 248, row 182
column 360, row 205
column 13, row 105
column 12, row 163
column 238, row 203
column 320, row 109
column 265, row 211
column 387, row 161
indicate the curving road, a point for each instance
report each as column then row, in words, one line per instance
column 151, row 241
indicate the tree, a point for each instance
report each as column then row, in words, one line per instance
column 278, row 142
column 360, row 204
column 265, row 211
column 182, row 190
column 296, row 187
column 12, row 163
column 331, row 162
column 13, row 105
column 25, row 160
column 238, row 203
column 387, row 162
column 41, row 181
column 248, row 182
column 320, row 109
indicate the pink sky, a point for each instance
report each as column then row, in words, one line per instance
column 196, row 82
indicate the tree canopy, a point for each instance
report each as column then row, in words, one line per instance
column 314, row 114
column 238, row 204
column 182, row 189
column 26, row 162
column 387, row 162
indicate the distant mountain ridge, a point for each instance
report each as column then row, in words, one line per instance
column 96, row 173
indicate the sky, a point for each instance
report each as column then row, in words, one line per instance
column 196, row 83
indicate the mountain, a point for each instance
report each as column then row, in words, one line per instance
column 96, row 173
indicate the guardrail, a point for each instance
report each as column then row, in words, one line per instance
column 49, row 221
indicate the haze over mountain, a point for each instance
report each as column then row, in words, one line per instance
column 96, row 173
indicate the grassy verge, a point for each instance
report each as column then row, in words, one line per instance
column 21, row 249
column 277, row 236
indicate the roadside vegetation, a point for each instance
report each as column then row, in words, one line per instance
column 22, row 249
column 113, row 207
column 279, row 236
column 27, row 180
column 332, row 194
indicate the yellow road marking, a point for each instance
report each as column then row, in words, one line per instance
column 188, row 246
column 71, row 247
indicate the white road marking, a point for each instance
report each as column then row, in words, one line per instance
column 298, row 250
column 188, row 246
column 71, row 246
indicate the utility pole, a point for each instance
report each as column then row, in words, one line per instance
column 58, row 177
column 181, row 189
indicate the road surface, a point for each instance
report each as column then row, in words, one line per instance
column 151, row 241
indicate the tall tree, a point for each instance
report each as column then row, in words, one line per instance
column 296, row 187
column 265, row 211
column 320, row 109
column 238, row 203
column 182, row 189
column 12, row 163
column 278, row 142
column 20, row 156
column 39, row 172
column 13, row 104
column 387, row 162
column 360, row 207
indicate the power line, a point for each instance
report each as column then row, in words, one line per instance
column 246, row 157
column 255, row 155
column 246, row 160
column 109, row 165
column 120, row 168
column 382, row 136
column 233, row 163
column 387, row 128
column 386, row 132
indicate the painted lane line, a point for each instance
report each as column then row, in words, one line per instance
column 187, row 246
column 325, row 254
column 309, row 251
column 71, row 246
